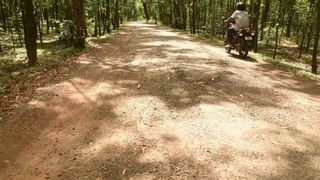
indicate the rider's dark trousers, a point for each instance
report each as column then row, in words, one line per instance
column 230, row 34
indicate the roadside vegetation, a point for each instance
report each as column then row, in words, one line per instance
column 38, row 34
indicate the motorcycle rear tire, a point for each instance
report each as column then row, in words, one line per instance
column 243, row 53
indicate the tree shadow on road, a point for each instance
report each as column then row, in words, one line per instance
column 76, row 127
column 290, row 81
column 246, row 59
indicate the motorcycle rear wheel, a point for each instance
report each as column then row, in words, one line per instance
column 228, row 50
column 243, row 53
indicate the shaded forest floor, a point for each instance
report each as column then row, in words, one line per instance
column 152, row 103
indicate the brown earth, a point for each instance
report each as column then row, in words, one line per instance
column 152, row 103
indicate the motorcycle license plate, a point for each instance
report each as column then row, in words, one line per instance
column 248, row 38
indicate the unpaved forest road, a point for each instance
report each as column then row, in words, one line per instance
column 152, row 103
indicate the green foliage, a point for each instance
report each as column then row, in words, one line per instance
column 57, row 16
column 2, row 89
column 66, row 30
column 282, row 63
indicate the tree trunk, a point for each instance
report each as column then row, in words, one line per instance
column 38, row 15
column 98, row 17
column 56, row 9
column 95, row 32
column 46, row 17
column 264, row 17
column 175, row 14
column 289, row 24
column 68, row 10
column 30, row 32
column 121, row 11
column 193, row 16
column 301, row 44
column 277, row 31
column 108, row 16
column 4, row 21
column 290, row 17
column 307, row 24
column 197, row 17
column 80, row 25
column 184, row 14
column 145, row 7
column 12, row 39
column 309, row 37
column 314, row 66
column 212, row 17
column 116, row 18
column 256, row 24
column 190, row 17
column 17, row 24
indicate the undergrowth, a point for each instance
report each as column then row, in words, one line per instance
column 286, row 59
column 13, row 62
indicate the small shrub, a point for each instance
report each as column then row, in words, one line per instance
column 66, row 30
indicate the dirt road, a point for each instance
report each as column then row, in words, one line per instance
column 152, row 103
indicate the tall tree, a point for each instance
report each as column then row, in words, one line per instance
column 314, row 67
column 291, row 4
column 108, row 16
column 80, row 26
column 307, row 23
column 277, row 30
column 3, row 16
column 116, row 17
column 264, row 17
column 193, row 19
column 256, row 16
column 30, row 29
column 145, row 7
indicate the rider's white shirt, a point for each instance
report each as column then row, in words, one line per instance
column 241, row 18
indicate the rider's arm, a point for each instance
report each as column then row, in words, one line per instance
column 230, row 19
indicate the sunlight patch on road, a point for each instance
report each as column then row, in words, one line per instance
column 86, row 62
column 37, row 103
column 189, row 55
column 201, row 131
column 163, row 33
column 151, row 155
column 81, row 91
column 105, row 67
column 120, row 137
column 177, row 44
column 142, row 61
column 93, row 93
column 179, row 92
column 155, row 43
column 102, row 89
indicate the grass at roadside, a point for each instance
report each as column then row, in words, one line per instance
column 299, row 66
column 289, row 66
column 13, row 63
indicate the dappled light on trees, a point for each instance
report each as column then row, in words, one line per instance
column 274, row 22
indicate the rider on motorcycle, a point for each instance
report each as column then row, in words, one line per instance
column 238, row 20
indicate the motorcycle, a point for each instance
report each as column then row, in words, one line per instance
column 242, row 42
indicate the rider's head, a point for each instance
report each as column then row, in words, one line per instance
column 241, row 6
